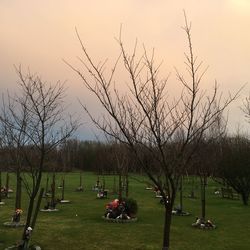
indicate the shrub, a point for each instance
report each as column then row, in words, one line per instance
column 131, row 206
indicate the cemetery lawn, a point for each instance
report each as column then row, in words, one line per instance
column 79, row 225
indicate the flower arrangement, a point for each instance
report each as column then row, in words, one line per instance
column 202, row 224
column 179, row 211
column 19, row 210
column 125, row 209
column 17, row 215
column 102, row 194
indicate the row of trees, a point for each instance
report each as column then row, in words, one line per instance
column 73, row 154
column 224, row 158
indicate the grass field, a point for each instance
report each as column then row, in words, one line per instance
column 79, row 225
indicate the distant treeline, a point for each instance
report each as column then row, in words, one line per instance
column 215, row 158
column 72, row 155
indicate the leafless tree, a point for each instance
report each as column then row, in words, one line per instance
column 162, row 132
column 233, row 165
column 205, row 159
column 246, row 108
column 0, row 186
column 1, row 158
column 14, row 139
column 120, row 157
column 43, row 129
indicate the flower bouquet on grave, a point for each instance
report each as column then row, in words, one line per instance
column 179, row 211
column 102, row 194
column 15, row 220
column 17, row 215
column 121, row 210
column 203, row 224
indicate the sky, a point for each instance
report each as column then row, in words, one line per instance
column 40, row 34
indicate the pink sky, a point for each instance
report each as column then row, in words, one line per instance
column 38, row 34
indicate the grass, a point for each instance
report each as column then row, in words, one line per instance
column 79, row 225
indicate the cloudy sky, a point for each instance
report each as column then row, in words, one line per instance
column 39, row 34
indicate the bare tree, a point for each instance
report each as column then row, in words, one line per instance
column 1, row 202
column 14, row 139
column 233, row 165
column 1, row 161
column 246, row 108
column 120, row 157
column 45, row 128
column 162, row 132
column 205, row 159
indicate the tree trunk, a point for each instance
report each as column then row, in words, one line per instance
column 18, row 189
column 98, row 181
column 167, row 223
column 30, row 222
column 53, row 191
column 203, row 198
column 37, row 208
column 26, row 239
column 25, row 244
column 80, row 179
column 114, row 185
column 127, row 182
column 0, row 186
column 192, row 189
column 63, row 186
column 103, row 183
column 47, row 184
column 120, row 187
column 7, row 184
column 123, row 182
column 181, row 195
column 245, row 197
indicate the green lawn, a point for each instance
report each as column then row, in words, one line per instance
column 79, row 225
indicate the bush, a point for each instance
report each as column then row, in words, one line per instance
column 131, row 206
